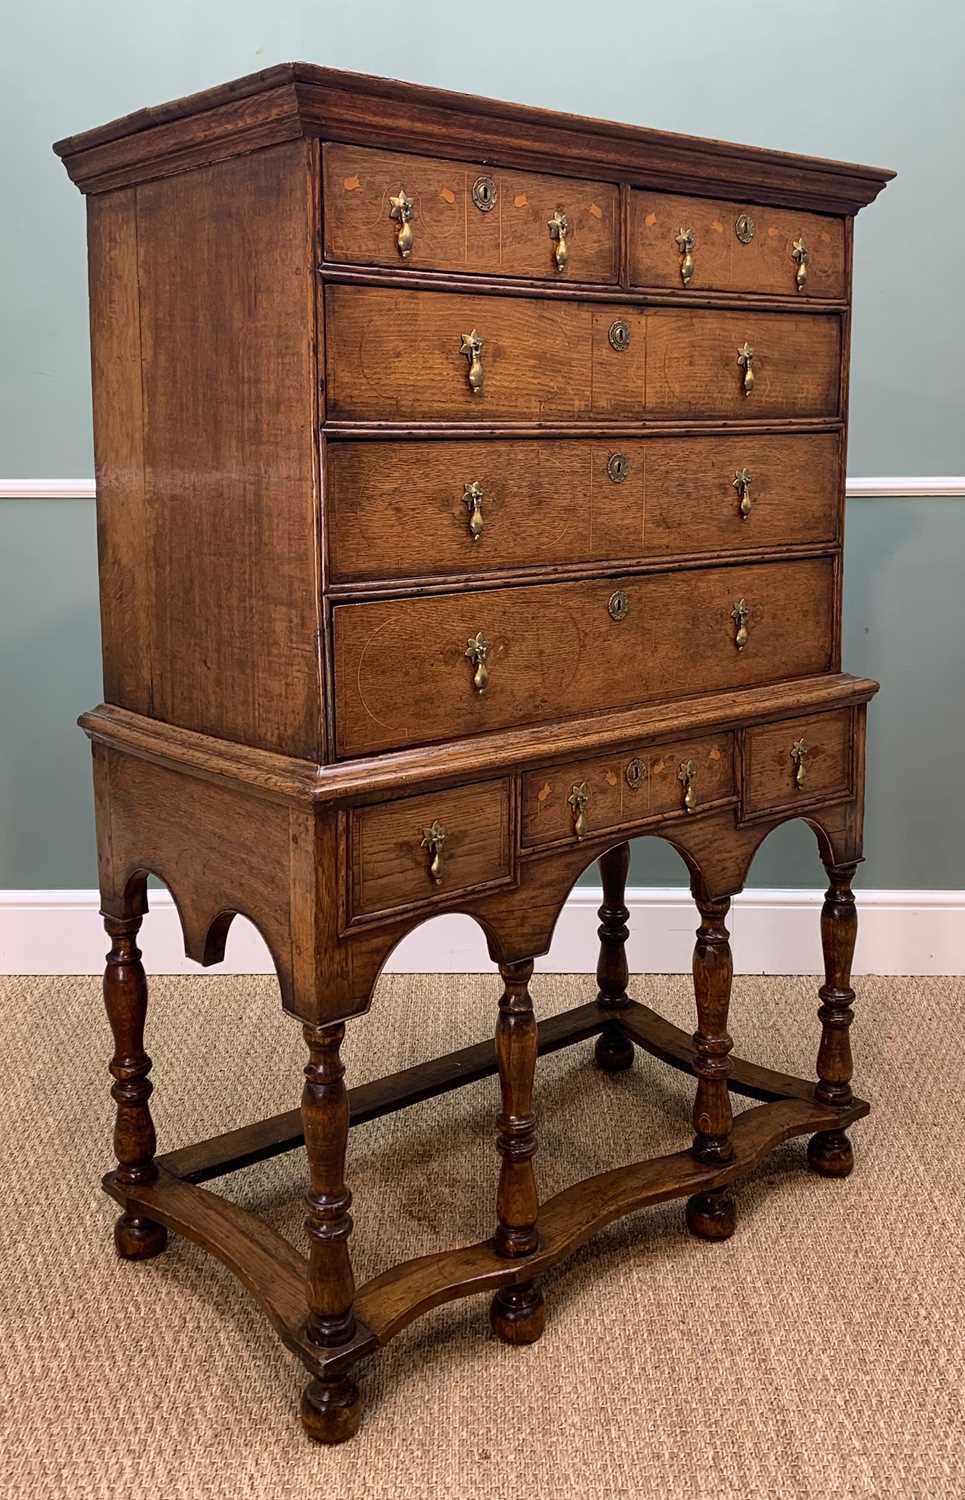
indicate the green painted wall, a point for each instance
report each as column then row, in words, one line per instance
column 860, row 81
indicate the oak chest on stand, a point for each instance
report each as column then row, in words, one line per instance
column 470, row 496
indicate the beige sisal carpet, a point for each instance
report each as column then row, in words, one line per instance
column 819, row 1352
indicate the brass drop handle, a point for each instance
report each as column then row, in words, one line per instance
column 740, row 614
column 579, row 800
column 745, row 358
column 799, row 254
column 471, row 347
column 559, row 228
column 434, row 839
column 742, row 484
column 477, row 651
column 473, row 499
column 402, row 213
column 800, row 751
column 686, row 240
column 687, row 776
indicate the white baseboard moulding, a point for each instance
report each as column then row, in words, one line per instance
column 772, row 932
column 898, row 487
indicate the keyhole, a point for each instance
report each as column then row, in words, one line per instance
column 618, row 467
column 484, row 194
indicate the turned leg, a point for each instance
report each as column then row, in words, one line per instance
column 125, row 996
column 517, row 1312
column 331, row 1409
column 614, row 1051
column 829, row 1152
column 711, row 1216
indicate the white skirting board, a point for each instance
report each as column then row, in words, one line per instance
column 772, row 932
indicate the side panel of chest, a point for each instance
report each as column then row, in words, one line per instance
column 202, row 308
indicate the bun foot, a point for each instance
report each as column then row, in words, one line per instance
column 711, row 1216
column 138, row 1239
column 830, row 1154
column 614, row 1051
column 518, row 1314
column 331, row 1410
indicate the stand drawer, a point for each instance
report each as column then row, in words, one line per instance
column 734, row 247
column 564, row 804
column 453, row 216
column 430, row 847
column 411, row 671
column 423, row 509
column 403, row 356
column 796, row 762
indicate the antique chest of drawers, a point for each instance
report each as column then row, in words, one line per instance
column 470, row 499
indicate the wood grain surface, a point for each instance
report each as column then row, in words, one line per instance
column 390, row 865
column 398, row 509
column 449, row 233
column 624, row 789
column 401, row 676
column 769, row 768
column 395, row 356
column 721, row 262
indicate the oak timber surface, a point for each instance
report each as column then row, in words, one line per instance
column 399, row 509
column 402, row 677
column 396, row 356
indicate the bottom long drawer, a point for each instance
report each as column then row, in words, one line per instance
column 414, row 671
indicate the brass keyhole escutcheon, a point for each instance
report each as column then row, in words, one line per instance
column 618, row 605
column 634, row 773
column 434, row 839
column 619, row 335
column 617, row 467
column 800, row 751
column 484, row 194
column 744, row 228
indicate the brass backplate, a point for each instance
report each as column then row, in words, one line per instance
column 617, row 467
column 619, row 335
column 484, row 194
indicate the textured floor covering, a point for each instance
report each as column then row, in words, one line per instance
column 819, row 1352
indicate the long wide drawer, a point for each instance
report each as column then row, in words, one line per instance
column 437, row 356
column 412, row 671
column 419, row 212
column 424, row 509
column 700, row 244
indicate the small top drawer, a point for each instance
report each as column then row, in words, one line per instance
column 386, row 209
column 430, row 847
column 697, row 244
column 796, row 762
column 567, row 803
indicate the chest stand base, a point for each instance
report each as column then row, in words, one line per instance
column 275, row 1273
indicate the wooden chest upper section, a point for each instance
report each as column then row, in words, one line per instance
column 381, row 372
